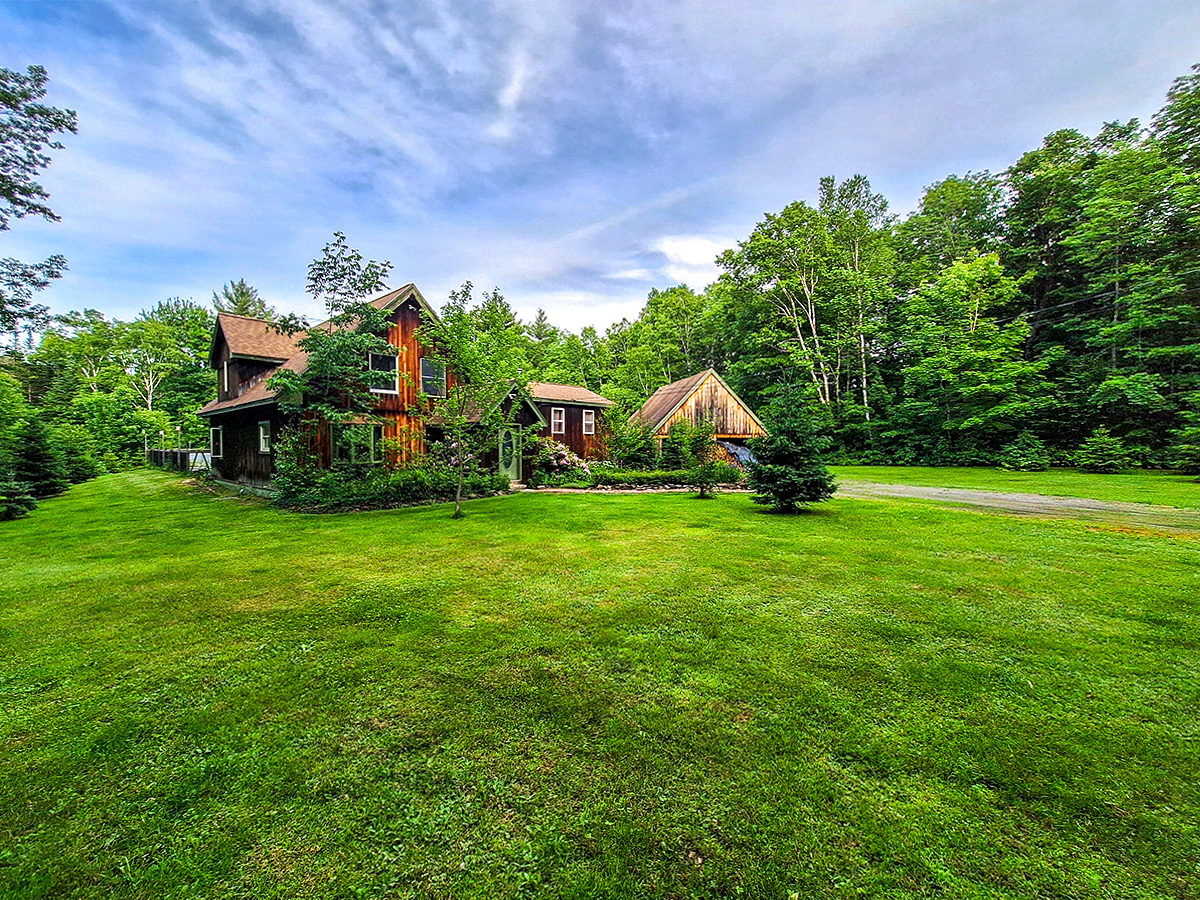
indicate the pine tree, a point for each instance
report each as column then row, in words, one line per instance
column 1102, row 452
column 788, row 472
column 38, row 461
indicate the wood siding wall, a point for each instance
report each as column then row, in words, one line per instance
column 711, row 400
column 240, row 459
column 588, row 446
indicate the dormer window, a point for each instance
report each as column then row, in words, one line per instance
column 385, row 373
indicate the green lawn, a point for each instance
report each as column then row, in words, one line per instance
column 1133, row 487
column 592, row 696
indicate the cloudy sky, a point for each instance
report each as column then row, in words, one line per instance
column 576, row 154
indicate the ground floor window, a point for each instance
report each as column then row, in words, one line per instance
column 358, row 444
column 589, row 421
column 264, row 437
column 216, row 442
column 558, row 420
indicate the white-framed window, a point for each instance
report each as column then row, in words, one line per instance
column 216, row 441
column 433, row 377
column 225, row 378
column 589, row 421
column 264, row 437
column 357, row 444
column 387, row 381
column 558, row 420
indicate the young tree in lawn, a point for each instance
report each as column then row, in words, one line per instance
column 27, row 130
column 335, row 386
column 483, row 352
column 702, row 447
column 788, row 472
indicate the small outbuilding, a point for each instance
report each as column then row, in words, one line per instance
column 700, row 397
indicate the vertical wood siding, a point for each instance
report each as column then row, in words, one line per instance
column 711, row 400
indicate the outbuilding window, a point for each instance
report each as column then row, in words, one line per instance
column 433, row 377
column 385, row 373
column 558, row 420
column 589, row 421
column 216, row 441
column 264, row 437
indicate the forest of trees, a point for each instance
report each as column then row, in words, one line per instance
column 1037, row 305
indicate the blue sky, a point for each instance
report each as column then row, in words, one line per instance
column 575, row 154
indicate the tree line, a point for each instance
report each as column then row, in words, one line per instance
column 1025, row 313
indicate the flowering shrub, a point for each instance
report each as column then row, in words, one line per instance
column 554, row 463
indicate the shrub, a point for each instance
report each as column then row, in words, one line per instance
column 15, row 500
column 555, row 463
column 1102, row 452
column 1026, row 454
column 723, row 473
column 370, row 487
column 1185, row 454
column 38, row 460
column 788, row 472
column 628, row 440
column 80, row 457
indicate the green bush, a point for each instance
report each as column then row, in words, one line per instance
column 1102, row 452
column 15, row 500
column 1026, row 454
column 623, row 478
column 1186, row 451
column 79, row 452
column 372, row 487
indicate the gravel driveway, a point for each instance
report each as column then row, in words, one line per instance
column 1135, row 516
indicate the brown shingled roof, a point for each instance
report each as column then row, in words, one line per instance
column 255, row 338
column 565, row 393
column 667, row 398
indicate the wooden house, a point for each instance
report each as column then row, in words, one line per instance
column 697, row 398
column 245, row 418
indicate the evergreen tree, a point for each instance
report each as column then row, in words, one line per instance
column 38, row 460
column 240, row 299
column 788, row 472
column 1102, row 452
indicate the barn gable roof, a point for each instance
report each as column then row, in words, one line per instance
column 667, row 400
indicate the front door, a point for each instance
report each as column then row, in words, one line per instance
column 510, row 453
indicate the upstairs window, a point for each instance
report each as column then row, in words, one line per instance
column 225, row 378
column 385, row 373
column 264, row 437
column 357, row 444
column 558, row 420
column 589, row 421
column 433, row 377
column 216, row 441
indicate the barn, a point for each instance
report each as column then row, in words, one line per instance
column 703, row 397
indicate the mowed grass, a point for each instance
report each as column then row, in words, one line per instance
column 1130, row 487
column 592, row 696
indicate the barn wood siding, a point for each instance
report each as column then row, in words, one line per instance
column 587, row 446
column 240, row 460
column 710, row 400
